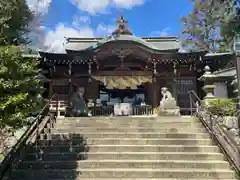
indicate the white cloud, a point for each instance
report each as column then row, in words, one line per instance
column 92, row 6
column 128, row 3
column 161, row 33
column 103, row 30
column 40, row 6
column 79, row 20
column 54, row 40
column 101, row 6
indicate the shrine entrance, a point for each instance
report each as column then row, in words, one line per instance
column 120, row 93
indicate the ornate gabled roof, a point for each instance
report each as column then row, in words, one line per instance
column 122, row 27
column 154, row 44
column 123, row 33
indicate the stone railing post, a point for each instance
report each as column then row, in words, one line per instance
column 234, row 83
column 208, row 78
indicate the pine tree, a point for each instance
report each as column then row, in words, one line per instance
column 15, row 17
column 212, row 25
column 19, row 88
column 230, row 21
column 202, row 27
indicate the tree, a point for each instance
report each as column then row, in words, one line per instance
column 230, row 22
column 15, row 17
column 19, row 87
column 201, row 32
column 211, row 26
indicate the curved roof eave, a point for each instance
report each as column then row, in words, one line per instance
column 122, row 38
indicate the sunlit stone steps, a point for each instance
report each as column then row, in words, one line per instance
column 125, row 148
column 64, row 156
column 128, row 148
column 154, row 164
column 128, row 173
column 136, row 141
column 169, row 130
column 64, row 136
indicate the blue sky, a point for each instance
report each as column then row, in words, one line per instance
column 93, row 18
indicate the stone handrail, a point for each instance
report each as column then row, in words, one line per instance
column 211, row 122
column 29, row 137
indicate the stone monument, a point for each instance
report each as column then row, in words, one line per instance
column 168, row 105
column 77, row 106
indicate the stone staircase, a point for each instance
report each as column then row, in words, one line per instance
column 126, row 148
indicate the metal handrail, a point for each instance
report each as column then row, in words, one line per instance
column 6, row 165
column 218, row 133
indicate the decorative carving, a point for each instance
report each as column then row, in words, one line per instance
column 89, row 72
column 175, row 68
column 154, row 67
column 95, row 60
column 122, row 53
column 122, row 27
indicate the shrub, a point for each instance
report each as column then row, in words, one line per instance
column 20, row 89
column 223, row 107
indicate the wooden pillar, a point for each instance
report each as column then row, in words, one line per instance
column 69, row 81
column 154, row 86
column 174, row 80
column 89, row 83
column 50, row 90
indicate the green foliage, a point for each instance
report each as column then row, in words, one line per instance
column 19, row 88
column 230, row 21
column 212, row 25
column 14, row 20
column 200, row 27
column 223, row 107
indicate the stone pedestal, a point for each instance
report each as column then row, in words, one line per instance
column 169, row 108
column 168, row 105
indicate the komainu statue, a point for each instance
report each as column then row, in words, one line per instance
column 168, row 105
column 77, row 106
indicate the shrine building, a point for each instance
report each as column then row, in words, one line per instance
column 126, row 68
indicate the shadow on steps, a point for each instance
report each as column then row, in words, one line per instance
column 45, row 160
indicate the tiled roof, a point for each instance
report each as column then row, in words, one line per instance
column 158, row 44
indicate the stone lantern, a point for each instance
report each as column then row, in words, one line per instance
column 208, row 78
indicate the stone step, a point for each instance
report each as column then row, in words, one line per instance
column 129, row 141
column 150, row 125
column 126, row 122
column 171, row 130
column 80, row 178
column 125, row 148
column 69, row 156
column 127, row 118
column 64, row 136
column 126, row 173
column 151, row 164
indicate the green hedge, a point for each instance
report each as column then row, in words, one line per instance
column 223, row 107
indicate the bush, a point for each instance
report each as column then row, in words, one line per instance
column 223, row 107
column 20, row 89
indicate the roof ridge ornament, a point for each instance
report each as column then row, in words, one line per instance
column 122, row 27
